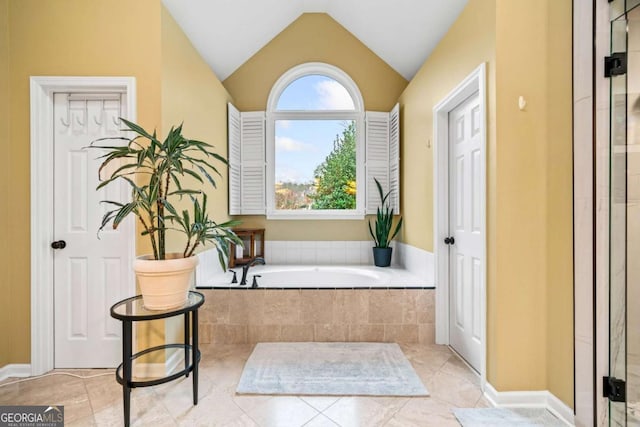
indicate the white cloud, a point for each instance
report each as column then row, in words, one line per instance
column 284, row 173
column 284, row 143
column 283, row 124
column 333, row 96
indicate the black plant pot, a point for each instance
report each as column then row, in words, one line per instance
column 382, row 256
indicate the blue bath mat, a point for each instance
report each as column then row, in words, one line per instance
column 330, row 369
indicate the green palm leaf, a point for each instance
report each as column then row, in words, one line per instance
column 155, row 172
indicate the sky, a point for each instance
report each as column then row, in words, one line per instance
column 301, row 145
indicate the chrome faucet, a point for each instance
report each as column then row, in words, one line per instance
column 245, row 268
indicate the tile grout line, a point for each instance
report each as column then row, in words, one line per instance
column 328, row 407
column 320, row 414
column 160, row 398
column 396, row 412
column 332, row 420
column 310, row 406
column 242, row 409
column 86, row 390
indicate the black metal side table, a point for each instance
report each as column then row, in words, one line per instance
column 132, row 310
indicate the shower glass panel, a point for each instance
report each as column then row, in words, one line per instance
column 624, row 208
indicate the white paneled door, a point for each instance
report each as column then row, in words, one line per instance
column 465, row 239
column 91, row 271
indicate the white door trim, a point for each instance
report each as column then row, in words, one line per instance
column 474, row 82
column 42, row 90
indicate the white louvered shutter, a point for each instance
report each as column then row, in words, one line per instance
column 246, row 138
column 376, row 157
column 394, row 158
column 233, row 133
column 382, row 157
column 252, row 135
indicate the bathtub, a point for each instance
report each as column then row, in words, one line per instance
column 317, row 277
column 315, row 303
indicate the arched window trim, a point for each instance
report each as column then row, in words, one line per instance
column 273, row 114
column 315, row 68
column 251, row 140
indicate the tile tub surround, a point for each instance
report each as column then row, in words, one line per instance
column 414, row 260
column 417, row 261
column 274, row 276
column 247, row 316
column 322, row 252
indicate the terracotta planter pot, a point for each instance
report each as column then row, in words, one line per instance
column 164, row 284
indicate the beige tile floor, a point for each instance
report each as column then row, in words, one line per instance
column 98, row 401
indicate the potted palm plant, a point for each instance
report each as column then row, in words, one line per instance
column 155, row 171
column 383, row 235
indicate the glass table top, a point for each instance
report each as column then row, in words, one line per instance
column 133, row 308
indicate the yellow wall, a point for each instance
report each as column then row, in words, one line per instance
column 74, row 37
column 518, row 290
column 529, row 153
column 192, row 95
column 5, row 288
column 469, row 42
column 559, row 202
column 531, row 294
column 314, row 37
column 529, row 186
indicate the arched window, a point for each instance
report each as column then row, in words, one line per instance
column 315, row 92
column 315, row 145
column 314, row 153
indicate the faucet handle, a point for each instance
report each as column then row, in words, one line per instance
column 254, row 284
column 235, row 278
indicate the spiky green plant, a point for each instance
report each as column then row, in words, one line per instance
column 154, row 170
column 384, row 221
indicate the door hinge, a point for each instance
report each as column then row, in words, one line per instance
column 614, row 389
column 616, row 64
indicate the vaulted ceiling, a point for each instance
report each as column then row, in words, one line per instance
column 227, row 33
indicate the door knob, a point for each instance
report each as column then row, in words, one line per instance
column 59, row 244
column 449, row 240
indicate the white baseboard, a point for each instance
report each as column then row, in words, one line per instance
column 530, row 399
column 15, row 370
column 157, row 370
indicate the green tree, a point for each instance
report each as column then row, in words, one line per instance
column 335, row 178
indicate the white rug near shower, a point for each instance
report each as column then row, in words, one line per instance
column 336, row 369
column 485, row 417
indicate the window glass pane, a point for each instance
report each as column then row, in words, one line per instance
column 315, row 164
column 315, row 92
